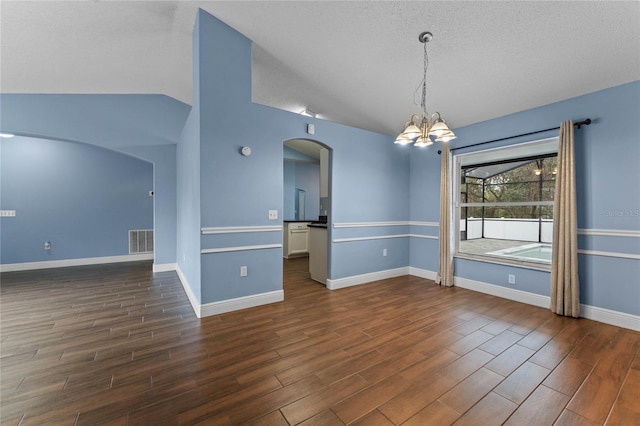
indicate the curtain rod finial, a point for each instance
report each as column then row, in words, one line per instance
column 583, row 123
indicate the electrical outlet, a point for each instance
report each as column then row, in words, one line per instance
column 273, row 214
column 47, row 245
column 243, row 271
column 512, row 279
column 384, row 252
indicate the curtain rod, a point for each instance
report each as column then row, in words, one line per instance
column 578, row 124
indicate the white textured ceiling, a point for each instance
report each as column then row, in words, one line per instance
column 356, row 63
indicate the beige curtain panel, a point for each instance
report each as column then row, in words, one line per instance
column 444, row 277
column 565, row 288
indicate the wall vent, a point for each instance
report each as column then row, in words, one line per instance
column 140, row 241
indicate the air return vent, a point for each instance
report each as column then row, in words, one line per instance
column 140, row 241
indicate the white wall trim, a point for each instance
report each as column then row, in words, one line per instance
column 240, row 229
column 609, row 232
column 378, row 237
column 382, row 237
column 366, row 278
column 535, row 266
column 368, row 224
column 240, row 248
column 230, row 305
column 595, row 313
column 610, row 254
column 430, row 237
column 422, row 273
column 414, row 223
column 164, row 267
column 187, row 289
column 392, row 223
column 64, row 263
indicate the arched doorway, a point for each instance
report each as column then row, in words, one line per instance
column 76, row 204
column 306, row 209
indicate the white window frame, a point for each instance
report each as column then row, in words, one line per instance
column 520, row 150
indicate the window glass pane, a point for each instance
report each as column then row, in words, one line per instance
column 548, row 189
column 546, row 212
column 505, row 231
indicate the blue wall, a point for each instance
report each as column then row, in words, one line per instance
column 305, row 176
column 367, row 185
column 81, row 198
column 289, row 190
column 163, row 158
column 607, row 174
column 105, row 120
column 146, row 126
column 188, row 185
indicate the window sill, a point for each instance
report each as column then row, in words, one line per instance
column 526, row 264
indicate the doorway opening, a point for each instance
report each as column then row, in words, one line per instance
column 306, row 212
column 108, row 213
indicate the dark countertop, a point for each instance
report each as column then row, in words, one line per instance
column 318, row 225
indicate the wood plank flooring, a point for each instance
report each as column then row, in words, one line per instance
column 118, row 345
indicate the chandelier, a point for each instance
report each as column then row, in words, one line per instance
column 423, row 129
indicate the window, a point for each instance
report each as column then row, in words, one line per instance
column 504, row 203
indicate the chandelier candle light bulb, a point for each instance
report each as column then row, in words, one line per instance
column 423, row 129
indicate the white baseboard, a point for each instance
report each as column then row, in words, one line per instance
column 164, row 267
column 366, row 278
column 187, row 289
column 230, row 305
column 64, row 263
column 607, row 316
column 223, row 306
column 504, row 292
column 422, row 273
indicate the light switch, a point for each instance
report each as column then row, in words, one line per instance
column 273, row 214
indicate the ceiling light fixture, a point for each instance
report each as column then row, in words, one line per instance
column 422, row 128
column 6, row 135
column 308, row 113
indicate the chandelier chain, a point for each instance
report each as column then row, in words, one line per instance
column 424, row 80
column 422, row 129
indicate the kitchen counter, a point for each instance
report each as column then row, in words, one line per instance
column 318, row 252
column 318, row 225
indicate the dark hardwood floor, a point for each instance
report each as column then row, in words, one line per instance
column 118, row 345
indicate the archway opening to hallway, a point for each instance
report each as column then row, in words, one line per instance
column 306, row 212
column 75, row 203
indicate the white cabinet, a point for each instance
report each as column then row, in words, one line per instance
column 324, row 173
column 296, row 239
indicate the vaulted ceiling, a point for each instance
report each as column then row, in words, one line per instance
column 357, row 63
